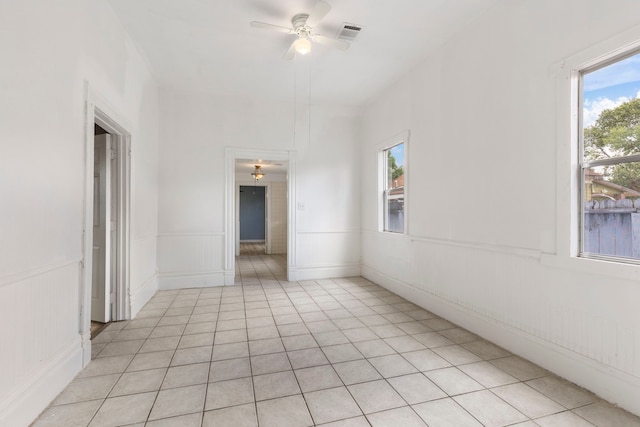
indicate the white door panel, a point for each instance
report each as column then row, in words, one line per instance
column 101, row 274
column 113, row 230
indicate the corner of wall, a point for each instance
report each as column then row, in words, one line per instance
column 612, row 385
column 143, row 294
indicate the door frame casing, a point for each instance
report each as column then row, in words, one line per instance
column 231, row 155
column 98, row 111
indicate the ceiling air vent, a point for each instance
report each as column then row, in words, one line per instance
column 349, row 32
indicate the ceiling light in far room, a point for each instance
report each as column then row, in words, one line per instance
column 257, row 173
column 303, row 45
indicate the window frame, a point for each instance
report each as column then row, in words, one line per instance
column 586, row 279
column 382, row 149
column 559, row 242
column 583, row 165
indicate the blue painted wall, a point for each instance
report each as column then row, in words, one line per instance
column 252, row 211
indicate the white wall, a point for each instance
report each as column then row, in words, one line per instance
column 481, row 247
column 196, row 128
column 49, row 51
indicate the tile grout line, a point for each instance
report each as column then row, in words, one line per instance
column 370, row 298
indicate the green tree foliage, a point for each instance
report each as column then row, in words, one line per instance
column 617, row 133
column 396, row 170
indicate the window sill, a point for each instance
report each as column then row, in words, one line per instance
column 392, row 233
column 612, row 269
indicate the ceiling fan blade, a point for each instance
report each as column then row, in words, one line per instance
column 291, row 52
column 328, row 41
column 265, row 26
column 319, row 12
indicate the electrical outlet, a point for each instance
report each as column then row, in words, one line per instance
column 300, row 206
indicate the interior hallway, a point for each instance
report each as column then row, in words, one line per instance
column 252, row 248
column 341, row 352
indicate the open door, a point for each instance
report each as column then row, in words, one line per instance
column 103, row 229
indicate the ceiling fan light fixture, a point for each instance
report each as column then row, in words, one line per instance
column 257, row 174
column 302, row 26
column 302, row 45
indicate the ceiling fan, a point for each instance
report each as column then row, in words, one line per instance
column 302, row 27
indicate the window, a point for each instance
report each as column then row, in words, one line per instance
column 394, row 188
column 610, row 160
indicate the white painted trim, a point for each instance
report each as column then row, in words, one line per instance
column 229, row 278
column 188, row 234
column 311, row 232
column 231, row 154
column 608, row 269
column 189, row 273
column 85, row 339
column 143, row 294
column 122, row 309
column 292, row 197
column 487, row 247
column 397, row 139
column 35, row 272
column 567, row 74
column 98, row 110
column 613, row 385
column 34, row 394
column 84, row 319
column 183, row 280
column 314, row 272
column 268, row 218
column 143, row 238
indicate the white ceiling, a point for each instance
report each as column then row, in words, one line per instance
column 268, row 166
column 208, row 45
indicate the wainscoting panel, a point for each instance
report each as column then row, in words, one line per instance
column 41, row 349
column 144, row 271
column 186, row 260
column 551, row 316
column 327, row 254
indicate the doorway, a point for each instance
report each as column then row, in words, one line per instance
column 104, row 231
column 106, row 227
column 252, row 213
column 279, row 181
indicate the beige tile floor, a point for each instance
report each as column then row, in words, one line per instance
column 341, row 352
column 252, row 248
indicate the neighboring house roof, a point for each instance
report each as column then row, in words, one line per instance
column 602, row 188
column 398, row 182
column 397, row 185
column 618, row 189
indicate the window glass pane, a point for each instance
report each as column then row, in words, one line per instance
column 394, row 189
column 611, row 110
column 611, row 221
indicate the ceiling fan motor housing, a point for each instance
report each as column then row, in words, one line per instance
column 299, row 21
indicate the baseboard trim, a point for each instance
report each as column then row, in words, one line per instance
column 23, row 404
column 610, row 384
column 323, row 272
column 143, row 294
column 229, row 278
column 191, row 280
